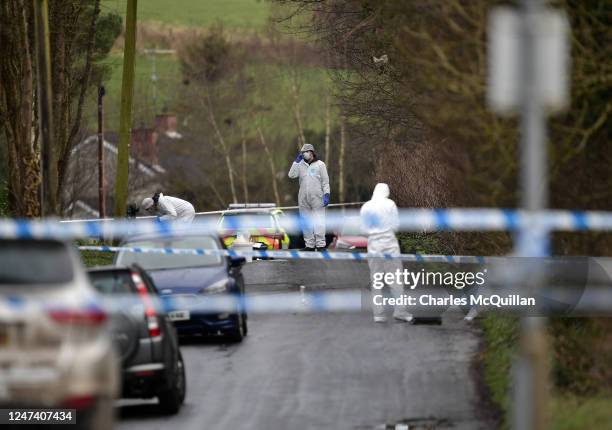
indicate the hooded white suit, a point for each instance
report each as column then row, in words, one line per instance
column 314, row 183
column 380, row 220
column 171, row 208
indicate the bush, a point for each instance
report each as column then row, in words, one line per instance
column 4, row 207
column 501, row 341
column 582, row 355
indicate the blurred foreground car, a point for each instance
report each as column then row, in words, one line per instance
column 260, row 223
column 190, row 279
column 144, row 336
column 55, row 348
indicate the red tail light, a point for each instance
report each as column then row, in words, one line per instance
column 78, row 402
column 91, row 316
column 151, row 315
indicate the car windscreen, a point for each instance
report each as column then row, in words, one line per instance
column 241, row 221
column 111, row 282
column 157, row 261
column 34, row 263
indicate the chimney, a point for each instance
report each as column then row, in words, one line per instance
column 144, row 145
column 165, row 123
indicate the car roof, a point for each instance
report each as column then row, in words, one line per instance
column 157, row 236
column 109, row 269
column 261, row 211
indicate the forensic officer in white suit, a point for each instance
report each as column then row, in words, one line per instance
column 169, row 208
column 313, row 196
column 380, row 221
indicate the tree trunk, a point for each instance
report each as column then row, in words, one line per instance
column 270, row 165
column 297, row 113
column 64, row 147
column 16, row 104
column 228, row 160
column 341, row 159
column 245, row 188
column 327, row 128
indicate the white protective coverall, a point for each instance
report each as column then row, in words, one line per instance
column 175, row 209
column 380, row 220
column 314, row 183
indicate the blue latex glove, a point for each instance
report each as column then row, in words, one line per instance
column 299, row 158
column 325, row 199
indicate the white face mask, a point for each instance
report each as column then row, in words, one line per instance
column 307, row 155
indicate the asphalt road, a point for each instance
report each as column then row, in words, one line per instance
column 324, row 371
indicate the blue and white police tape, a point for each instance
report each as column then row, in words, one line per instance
column 203, row 303
column 303, row 301
column 291, row 254
column 421, row 220
column 292, row 302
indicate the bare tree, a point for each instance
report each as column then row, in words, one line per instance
column 327, row 128
column 224, row 148
column 17, row 101
column 272, row 171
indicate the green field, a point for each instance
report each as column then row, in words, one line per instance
column 149, row 97
column 251, row 14
column 272, row 89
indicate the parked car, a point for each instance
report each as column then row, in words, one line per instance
column 189, row 280
column 144, row 336
column 350, row 238
column 55, row 347
column 260, row 223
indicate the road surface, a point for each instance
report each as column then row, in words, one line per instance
column 324, row 371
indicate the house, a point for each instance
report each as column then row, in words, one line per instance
column 146, row 175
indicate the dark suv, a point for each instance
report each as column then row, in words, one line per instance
column 144, row 336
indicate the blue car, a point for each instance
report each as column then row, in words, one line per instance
column 189, row 284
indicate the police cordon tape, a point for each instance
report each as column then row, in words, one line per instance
column 291, row 254
column 593, row 302
column 422, row 220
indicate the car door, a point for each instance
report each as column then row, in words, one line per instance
column 125, row 320
column 167, row 351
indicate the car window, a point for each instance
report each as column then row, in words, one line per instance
column 34, row 263
column 158, row 261
column 247, row 220
column 111, row 282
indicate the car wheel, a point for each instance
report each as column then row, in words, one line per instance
column 238, row 332
column 99, row 417
column 245, row 326
column 172, row 398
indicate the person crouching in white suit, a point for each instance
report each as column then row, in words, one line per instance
column 169, row 208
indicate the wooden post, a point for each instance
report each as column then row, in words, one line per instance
column 101, row 185
column 125, row 120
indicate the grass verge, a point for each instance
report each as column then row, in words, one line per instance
column 567, row 412
column 96, row 258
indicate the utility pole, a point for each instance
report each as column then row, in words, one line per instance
column 101, row 185
column 543, row 73
column 528, row 76
column 48, row 186
column 125, row 121
column 531, row 369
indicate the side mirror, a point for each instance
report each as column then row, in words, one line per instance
column 237, row 261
